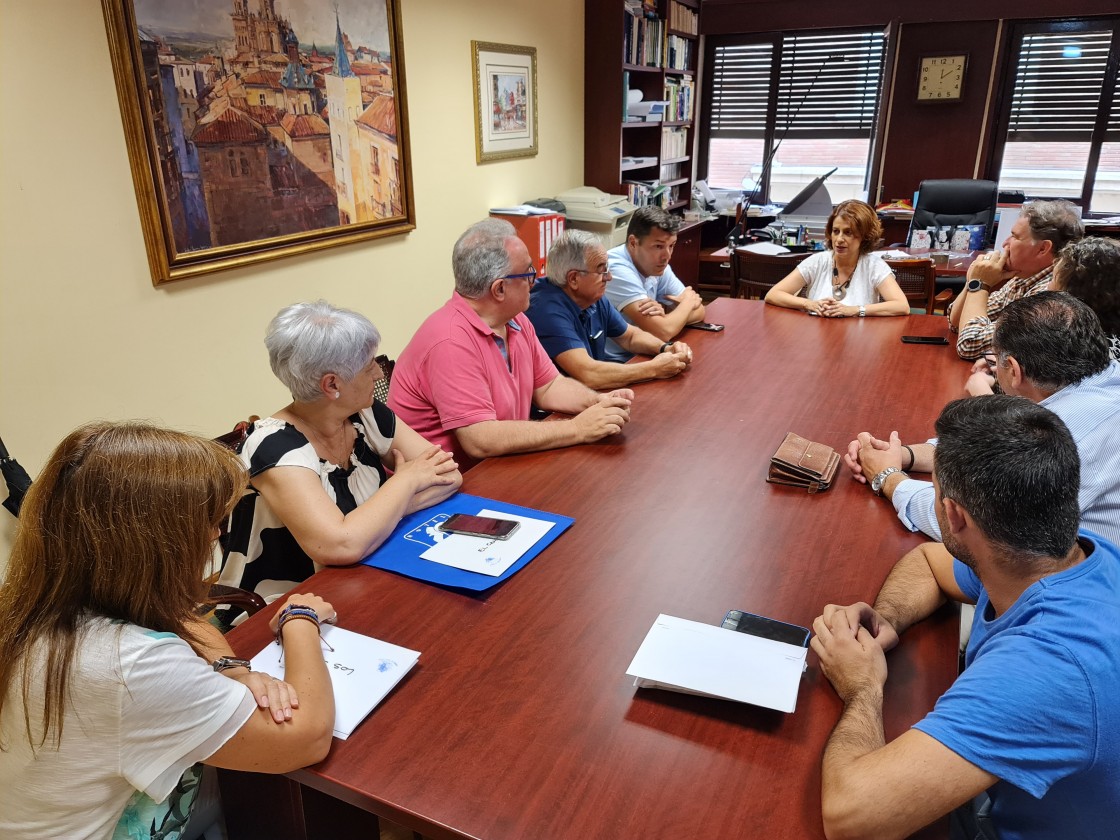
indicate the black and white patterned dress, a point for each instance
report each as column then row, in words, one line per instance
column 263, row 555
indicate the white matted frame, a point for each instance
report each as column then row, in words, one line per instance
column 505, row 101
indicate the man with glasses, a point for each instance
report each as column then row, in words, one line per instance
column 644, row 288
column 467, row 379
column 574, row 321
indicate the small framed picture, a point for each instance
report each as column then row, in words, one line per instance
column 505, row 101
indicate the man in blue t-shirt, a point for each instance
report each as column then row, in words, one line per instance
column 643, row 286
column 573, row 321
column 1025, row 744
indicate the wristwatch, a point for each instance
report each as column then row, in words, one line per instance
column 977, row 285
column 877, row 481
column 862, row 311
column 224, row 663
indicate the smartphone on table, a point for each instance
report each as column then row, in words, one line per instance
column 706, row 326
column 924, row 339
column 479, row 526
column 766, row 628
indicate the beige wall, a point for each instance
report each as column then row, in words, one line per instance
column 84, row 334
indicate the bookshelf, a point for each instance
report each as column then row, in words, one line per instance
column 651, row 47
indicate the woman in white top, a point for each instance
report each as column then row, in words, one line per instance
column 847, row 279
column 112, row 688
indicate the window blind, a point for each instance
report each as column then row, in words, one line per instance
column 1058, row 85
column 819, row 85
column 741, row 84
column 829, row 84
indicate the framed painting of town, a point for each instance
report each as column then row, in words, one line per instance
column 259, row 129
column 505, row 101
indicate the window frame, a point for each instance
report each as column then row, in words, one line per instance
column 1109, row 104
column 773, row 133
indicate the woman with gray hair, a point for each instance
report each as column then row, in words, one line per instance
column 320, row 493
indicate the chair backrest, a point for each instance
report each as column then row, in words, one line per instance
column 756, row 273
column 381, row 389
column 916, row 278
column 953, row 202
column 234, row 438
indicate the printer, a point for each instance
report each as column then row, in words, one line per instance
column 608, row 216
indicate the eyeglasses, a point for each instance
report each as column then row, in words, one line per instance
column 530, row 275
column 606, row 272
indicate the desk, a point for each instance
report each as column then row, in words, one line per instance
column 519, row 721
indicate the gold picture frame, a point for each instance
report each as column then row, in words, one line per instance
column 505, row 101
column 248, row 137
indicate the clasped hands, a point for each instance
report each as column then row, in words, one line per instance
column 867, row 456
column 830, row 308
column 851, row 643
column 982, row 378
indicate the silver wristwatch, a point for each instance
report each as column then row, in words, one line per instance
column 862, row 311
column 877, row 481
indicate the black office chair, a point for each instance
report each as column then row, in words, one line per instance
column 952, row 202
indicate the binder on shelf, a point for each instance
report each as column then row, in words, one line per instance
column 537, row 232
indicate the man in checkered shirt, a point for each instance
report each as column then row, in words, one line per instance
column 1021, row 269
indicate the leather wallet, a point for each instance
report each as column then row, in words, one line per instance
column 803, row 463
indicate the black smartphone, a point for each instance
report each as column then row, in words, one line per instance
column 479, row 526
column 767, row 628
column 924, row 339
column 705, row 325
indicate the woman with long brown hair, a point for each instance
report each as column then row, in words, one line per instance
column 111, row 687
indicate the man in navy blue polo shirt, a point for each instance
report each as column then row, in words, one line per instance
column 573, row 320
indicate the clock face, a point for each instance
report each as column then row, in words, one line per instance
column 941, row 78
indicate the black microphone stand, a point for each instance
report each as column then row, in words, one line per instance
column 737, row 231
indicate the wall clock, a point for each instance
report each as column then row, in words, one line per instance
column 941, row 78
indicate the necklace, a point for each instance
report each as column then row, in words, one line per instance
column 839, row 290
column 336, row 448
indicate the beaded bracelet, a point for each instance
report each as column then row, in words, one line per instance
column 910, row 466
column 295, row 611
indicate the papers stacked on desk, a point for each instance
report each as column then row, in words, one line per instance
column 363, row 670
column 695, row 658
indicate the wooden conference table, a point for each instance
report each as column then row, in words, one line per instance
column 519, row 721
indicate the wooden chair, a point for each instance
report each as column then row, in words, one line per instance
column 381, row 389
column 916, row 278
column 755, row 273
column 219, row 593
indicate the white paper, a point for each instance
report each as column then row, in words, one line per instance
column 768, row 248
column 487, row 556
column 363, row 670
column 522, row 210
column 697, row 658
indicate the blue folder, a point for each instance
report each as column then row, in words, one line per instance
column 401, row 552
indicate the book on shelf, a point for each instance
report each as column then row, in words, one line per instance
column 642, row 39
column 674, row 143
column 643, row 193
column 683, row 19
column 678, row 53
column 678, row 93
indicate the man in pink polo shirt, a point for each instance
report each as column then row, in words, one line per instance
column 467, row 379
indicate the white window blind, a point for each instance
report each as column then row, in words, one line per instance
column 741, row 85
column 829, row 85
column 1059, row 84
column 817, row 85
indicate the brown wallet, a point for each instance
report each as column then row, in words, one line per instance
column 803, row 463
